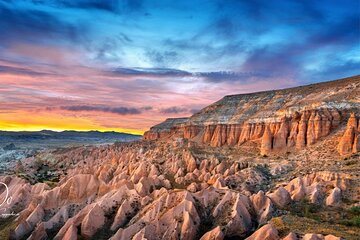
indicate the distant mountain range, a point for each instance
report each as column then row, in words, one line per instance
column 47, row 138
column 65, row 134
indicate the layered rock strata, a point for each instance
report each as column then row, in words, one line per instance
column 299, row 130
column 278, row 120
column 350, row 141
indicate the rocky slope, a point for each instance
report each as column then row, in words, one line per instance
column 206, row 177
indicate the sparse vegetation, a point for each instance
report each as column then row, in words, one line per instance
column 355, row 210
column 355, row 221
column 6, row 225
column 303, row 225
column 353, row 218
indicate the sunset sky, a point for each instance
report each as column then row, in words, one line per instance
column 127, row 65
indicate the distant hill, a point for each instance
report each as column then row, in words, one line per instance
column 48, row 138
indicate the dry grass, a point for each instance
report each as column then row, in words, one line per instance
column 302, row 225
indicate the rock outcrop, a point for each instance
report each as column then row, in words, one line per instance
column 350, row 141
column 215, row 234
column 266, row 142
column 165, row 128
column 267, row 232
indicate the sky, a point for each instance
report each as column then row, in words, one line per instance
column 127, row 65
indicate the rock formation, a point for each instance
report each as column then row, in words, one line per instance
column 266, row 142
column 350, row 143
column 266, row 232
column 296, row 118
column 202, row 177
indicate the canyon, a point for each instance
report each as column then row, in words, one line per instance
column 273, row 165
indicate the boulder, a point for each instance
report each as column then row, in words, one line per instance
column 266, row 232
column 291, row 236
column 214, row 234
column 93, row 221
column 263, row 206
column 312, row 236
column 280, row 197
column 334, row 198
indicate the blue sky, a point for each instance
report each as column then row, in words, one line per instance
column 140, row 54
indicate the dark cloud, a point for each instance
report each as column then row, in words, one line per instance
column 116, row 110
column 22, row 71
column 174, row 110
column 194, row 110
column 227, row 76
column 33, row 25
column 114, row 6
column 109, row 5
column 149, row 72
column 213, row 77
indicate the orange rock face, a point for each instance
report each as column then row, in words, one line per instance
column 150, row 135
column 280, row 138
column 191, row 131
column 233, row 134
column 350, row 143
column 208, row 133
column 266, row 142
column 298, row 130
column 220, row 136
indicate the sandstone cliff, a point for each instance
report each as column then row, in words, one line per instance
column 281, row 120
column 350, row 141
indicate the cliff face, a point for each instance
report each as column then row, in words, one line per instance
column 278, row 120
column 350, row 141
column 164, row 129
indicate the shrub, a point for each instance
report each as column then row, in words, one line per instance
column 355, row 210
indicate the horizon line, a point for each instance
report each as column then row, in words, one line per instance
column 125, row 131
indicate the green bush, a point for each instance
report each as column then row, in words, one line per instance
column 355, row 221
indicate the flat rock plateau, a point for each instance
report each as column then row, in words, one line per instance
column 282, row 164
